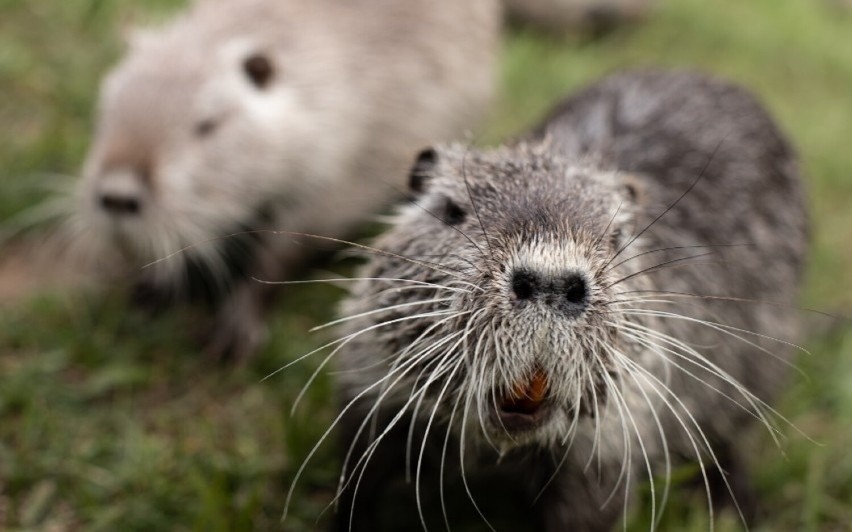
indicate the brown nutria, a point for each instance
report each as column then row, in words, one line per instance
column 553, row 321
column 247, row 115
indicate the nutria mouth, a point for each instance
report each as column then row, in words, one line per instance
column 526, row 405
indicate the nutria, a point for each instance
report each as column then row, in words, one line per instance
column 578, row 17
column 241, row 116
column 574, row 312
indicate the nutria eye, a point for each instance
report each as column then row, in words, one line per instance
column 453, row 214
column 205, row 127
column 631, row 191
column 259, row 70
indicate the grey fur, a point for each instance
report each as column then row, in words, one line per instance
column 593, row 17
column 356, row 88
column 632, row 389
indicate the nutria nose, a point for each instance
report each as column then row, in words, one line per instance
column 568, row 292
column 120, row 205
column 121, row 192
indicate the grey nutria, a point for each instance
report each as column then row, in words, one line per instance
column 578, row 17
column 246, row 115
column 572, row 313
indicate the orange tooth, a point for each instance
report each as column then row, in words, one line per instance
column 537, row 387
column 532, row 390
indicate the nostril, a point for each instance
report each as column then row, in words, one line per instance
column 523, row 285
column 574, row 289
column 120, row 204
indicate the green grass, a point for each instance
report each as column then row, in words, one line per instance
column 109, row 419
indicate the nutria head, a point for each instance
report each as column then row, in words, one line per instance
column 205, row 128
column 508, row 318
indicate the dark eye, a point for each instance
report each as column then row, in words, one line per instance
column 259, row 70
column 205, row 127
column 631, row 191
column 453, row 214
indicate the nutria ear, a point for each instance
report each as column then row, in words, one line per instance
column 421, row 171
column 259, row 69
column 632, row 188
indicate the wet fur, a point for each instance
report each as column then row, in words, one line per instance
column 678, row 200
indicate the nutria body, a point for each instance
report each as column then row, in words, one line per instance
column 590, row 17
column 596, row 302
column 298, row 115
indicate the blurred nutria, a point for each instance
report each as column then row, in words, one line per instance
column 574, row 313
column 299, row 115
column 578, row 17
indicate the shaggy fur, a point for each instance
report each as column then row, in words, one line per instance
column 640, row 253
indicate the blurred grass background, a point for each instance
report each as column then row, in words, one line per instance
column 110, row 420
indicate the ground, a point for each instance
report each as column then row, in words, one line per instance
column 102, row 426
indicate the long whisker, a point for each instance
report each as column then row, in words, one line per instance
column 626, row 461
column 473, row 204
column 343, row 412
column 400, row 355
column 756, row 403
column 349, row 337
column 673, row 205
column 469, row 262
column 672, row 248
column 379, row 311
column 597, row 413
column 701, row 434
column 459, row 396
column 656, row 267
column 662, row 392
column 410, row 438
column 418, row 394
column 459, row 363
column 355, row 245
column 397, row 373
column 465, row 483
column 608, row 225
column 671, row 293
column 665, row 448
column 359, row 279
column 352, row 337
column 461, row 271
column 620, row 398
column 721, row 327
